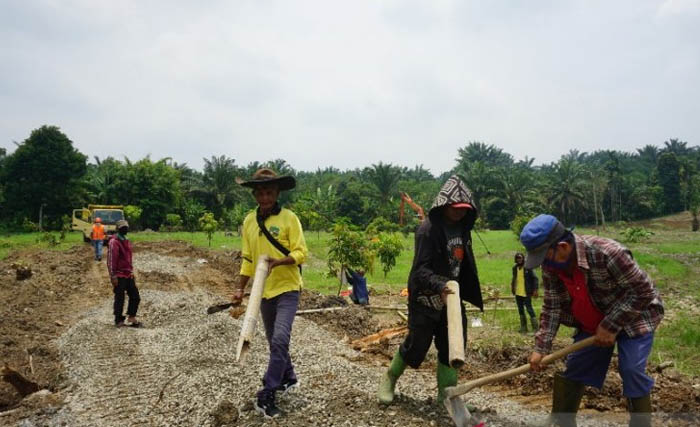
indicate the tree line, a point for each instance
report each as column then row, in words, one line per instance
column 46, row 177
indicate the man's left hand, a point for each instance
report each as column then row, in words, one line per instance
column 604, row 338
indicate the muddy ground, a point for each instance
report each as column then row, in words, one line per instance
column 66, row 303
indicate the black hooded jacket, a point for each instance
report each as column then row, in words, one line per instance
column 430, row 270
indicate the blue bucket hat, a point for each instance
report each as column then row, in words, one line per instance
column 538, row 236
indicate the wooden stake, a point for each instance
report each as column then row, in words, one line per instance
column 320, row 310
column 455, row 337
column 251, row 313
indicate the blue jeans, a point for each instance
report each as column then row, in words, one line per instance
column 98, row 248
column 590, row 365
column 278, row 315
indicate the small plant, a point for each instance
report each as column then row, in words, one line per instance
column 29, row 226
column 173, row 222
column 208, row 224
column 49, row 238
column 348, row 248
column 379, row 225
column 636, row 234
column 388, row 247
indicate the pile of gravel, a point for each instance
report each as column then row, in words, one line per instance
column 179, row 370
column 148, row 262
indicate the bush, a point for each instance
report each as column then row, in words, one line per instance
column 636, row 234
column 518, row 223
column 29, row 226
column 49, row 238
column 133, row 215
column 173, row 222
column 348, row 248
column 388, row 247
column 379, row 225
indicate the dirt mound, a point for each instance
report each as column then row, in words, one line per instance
column 39, row 308
column 310, row 299
column 672, row 393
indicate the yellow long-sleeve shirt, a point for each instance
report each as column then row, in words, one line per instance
column 286, row 228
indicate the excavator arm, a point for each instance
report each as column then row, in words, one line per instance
column 406, row 199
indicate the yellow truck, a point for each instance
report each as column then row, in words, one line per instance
column 84, row 218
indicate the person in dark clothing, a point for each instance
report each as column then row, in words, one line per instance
column 121, row 274
column 524, row 287
column 443, row 252
column 358, row 281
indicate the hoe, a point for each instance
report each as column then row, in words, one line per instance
column 454, row 404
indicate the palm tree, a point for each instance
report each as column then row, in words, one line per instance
column 679, row 148
column 218, row 183
column 384, row 178
column 565, row 188
column 649, row 154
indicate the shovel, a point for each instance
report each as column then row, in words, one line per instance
column 220, row 307
column 455, row 406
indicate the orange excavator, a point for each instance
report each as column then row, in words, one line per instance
column 406, row 199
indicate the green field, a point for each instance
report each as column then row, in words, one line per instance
column 672, row 259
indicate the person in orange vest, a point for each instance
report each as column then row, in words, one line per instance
column 98, row 235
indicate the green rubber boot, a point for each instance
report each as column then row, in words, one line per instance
column 640, row 411
column 388, row 383
column 535, row 325
column 523, row 324
column 446, row 377
column 566, row 398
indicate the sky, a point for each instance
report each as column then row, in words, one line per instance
column 350, row 83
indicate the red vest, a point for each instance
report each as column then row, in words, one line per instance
column 581, row 305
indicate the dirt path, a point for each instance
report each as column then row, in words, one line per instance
column 178, row 370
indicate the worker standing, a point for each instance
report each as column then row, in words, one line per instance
column 276, row 232
column 524, row 286
column 443, row 252
column 97, row 236
column 121, row 274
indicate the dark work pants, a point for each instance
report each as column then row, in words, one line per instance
column 127, row 285
column 278, row 315
column 421, row 330
column 590, row 365
column 524, row 303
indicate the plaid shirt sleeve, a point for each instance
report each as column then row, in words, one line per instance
column 638, row 287
column 553, row 312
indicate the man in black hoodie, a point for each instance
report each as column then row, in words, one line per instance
column 443, row 252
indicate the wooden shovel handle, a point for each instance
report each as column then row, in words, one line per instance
column 466, row 387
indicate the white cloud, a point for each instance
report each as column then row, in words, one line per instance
column 348, row 84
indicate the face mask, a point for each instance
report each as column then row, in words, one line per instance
column 123, row 231
column 553, row 265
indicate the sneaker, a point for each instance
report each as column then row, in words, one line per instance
column 266, row 406
column 287, row 386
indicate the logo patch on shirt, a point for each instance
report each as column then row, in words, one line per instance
column 275, row 231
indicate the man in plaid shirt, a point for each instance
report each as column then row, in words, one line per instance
column 593, row 284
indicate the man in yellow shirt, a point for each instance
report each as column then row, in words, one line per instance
column 276, row 232
column 524, row 287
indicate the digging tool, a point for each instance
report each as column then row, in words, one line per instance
column 220, row 307
column 455, row 406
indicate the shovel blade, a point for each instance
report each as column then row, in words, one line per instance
column 217, row 308
column 458, row 411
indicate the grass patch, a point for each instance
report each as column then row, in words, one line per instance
column 679, row 341
column 19, row 241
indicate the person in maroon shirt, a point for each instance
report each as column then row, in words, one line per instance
column 593, row 284
column 121, row 274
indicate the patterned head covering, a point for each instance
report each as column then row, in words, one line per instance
column 454, row 192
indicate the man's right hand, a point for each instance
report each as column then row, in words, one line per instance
column 114, row 281
column 237, row 296
column 535, row 359
column 444, row 293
